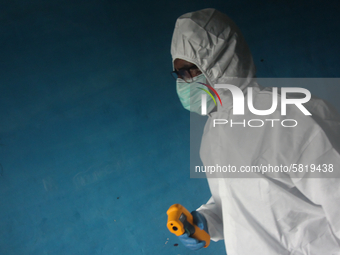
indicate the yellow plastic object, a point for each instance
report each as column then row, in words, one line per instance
column 180, row 221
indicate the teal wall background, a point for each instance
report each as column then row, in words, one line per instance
column 94, row 143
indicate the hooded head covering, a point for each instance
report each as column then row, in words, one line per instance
column 212, row 41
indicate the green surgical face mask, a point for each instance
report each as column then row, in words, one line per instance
column 190, row 94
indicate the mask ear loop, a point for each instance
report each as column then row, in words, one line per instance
column 209, row 86
column 197, row 77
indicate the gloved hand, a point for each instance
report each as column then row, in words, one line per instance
column 192, row 243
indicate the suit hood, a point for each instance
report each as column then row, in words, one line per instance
column 212, row 41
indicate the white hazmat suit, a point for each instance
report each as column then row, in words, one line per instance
column 270, row 215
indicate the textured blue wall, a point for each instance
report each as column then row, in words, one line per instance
column 94, row 143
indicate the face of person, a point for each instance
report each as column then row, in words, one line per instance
column 192, row 69
column 187, row 71
column 181, row 63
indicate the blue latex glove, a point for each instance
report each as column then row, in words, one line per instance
column 192, row 243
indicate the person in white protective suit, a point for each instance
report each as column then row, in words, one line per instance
column 264, row 214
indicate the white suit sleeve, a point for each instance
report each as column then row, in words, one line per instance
column 213, row 216
column 322, row 191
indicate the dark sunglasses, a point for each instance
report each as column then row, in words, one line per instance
column 184, row 73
